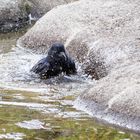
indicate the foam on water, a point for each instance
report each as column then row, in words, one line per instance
column 15, row 71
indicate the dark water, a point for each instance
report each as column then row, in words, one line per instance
column 43, row 110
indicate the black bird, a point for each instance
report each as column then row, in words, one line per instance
column 56, row 62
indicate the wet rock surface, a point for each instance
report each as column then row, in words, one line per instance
column 115, row 98
column 104, row 36
column 98, row 32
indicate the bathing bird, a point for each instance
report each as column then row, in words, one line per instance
column 56, row 62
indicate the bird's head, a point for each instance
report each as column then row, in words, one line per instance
column 57, row 51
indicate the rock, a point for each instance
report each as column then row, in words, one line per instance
column 103, row 35
column 89, row 34
column 115, row 98
column 39, row 8
column 56, row 26
column 13, row 15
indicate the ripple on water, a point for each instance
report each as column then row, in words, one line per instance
column 28, row 103
column 15, row 136
column 15, row 72
column 33, row 124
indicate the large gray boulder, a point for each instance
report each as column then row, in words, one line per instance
column 104, row 36
column 41, row 7
column 115, row 98
column 90, row 29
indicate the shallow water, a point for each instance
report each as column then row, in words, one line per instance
column 43, row 110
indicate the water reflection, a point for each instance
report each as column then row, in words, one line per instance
column 31, row 108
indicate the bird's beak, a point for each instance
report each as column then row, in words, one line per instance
column 62, row 54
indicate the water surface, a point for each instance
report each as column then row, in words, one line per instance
column 31, row 108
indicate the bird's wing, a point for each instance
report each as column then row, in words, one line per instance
column 71, row 68
column 42, row 65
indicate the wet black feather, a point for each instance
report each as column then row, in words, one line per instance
column 56, row 62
